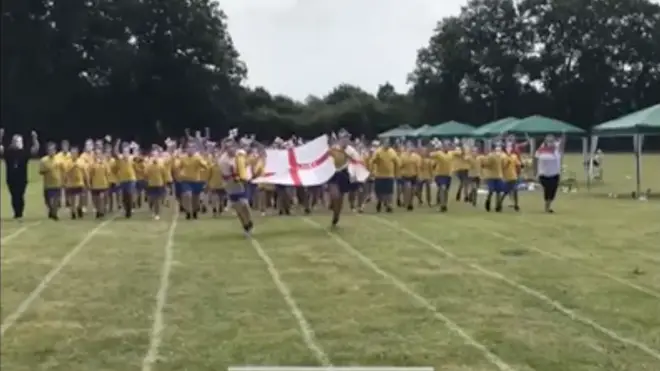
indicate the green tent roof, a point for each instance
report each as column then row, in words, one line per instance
column 646, row 121
column 541, row 125
column 449, row 129
column 401, row 131
column 494, row 128
column 419, row 131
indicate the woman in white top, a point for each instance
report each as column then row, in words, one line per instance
column 548, row 157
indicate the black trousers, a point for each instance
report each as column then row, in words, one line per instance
column 17, row 193
column 550, row 185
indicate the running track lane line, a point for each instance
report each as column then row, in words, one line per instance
column 451, row 325
column 156, row 337
column 625, row 282
column 528, row 290
column 563, row 258
column 18, row 232
column 306, row 329
column 8, row 322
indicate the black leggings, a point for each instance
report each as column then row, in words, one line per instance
column 550, row 185
column 17, row 192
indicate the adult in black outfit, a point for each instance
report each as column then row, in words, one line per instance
column 17, row 158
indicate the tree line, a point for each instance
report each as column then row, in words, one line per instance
column 145, row 70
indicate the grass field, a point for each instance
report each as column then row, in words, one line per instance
column 575, row 291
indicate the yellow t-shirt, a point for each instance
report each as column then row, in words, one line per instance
column 167, row 164
column 426, row 172
column 155, row 173
column 460, row 160
column 510, row 166
column 139, row 167
column 339, row 156
column 385, row 163
column 492, row 165
column 411, row 164
column 51, row 168
column 88, row 158
column 75, row 173
column 442, row 163
column 216, row 180
column 63, row 156
column 99, row 175
column 475, row 165
column 125, row 169
column 112, row 167
column 191, row 168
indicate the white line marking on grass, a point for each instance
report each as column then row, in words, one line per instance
column 305, row 328
column 528, row 290
column 17, row 232
column 161, row 299
column 563, row 258
column 8, row 322
column 490, row 356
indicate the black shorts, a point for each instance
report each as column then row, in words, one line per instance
column 342, row 179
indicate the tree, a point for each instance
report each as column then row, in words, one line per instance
column 119, row 65
column 124, row 66
column 583, row 61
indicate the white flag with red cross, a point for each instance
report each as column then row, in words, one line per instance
column 309, row 164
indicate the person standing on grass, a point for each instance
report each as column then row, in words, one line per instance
column 549, row 156
column 384, row 162
column 17, row 158
column 51, row 169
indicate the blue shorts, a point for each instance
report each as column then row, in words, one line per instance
column 495, row 185
column 141, row 185
column 155, row 191
column 238, row 196
column 342, row 180
column 509, row 185
column 195, row 188
column 73, row 191
column 443, row 181
column 177, row 189
column 384, row 186
column 399, row 181
column 127, row 186
column 50, row 193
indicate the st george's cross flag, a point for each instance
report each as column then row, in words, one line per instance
column 357, row 169
column 308, row 164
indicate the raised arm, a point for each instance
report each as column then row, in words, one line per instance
column 34, row 150
column 116, row 148
column 561, row 143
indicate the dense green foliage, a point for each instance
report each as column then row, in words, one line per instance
column 151, row 68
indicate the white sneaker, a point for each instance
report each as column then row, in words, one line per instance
column 156, row 217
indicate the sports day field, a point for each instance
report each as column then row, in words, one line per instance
column 467, row 291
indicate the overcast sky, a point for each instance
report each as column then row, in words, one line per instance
column 303, row 47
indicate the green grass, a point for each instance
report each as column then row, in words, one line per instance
column 578, row 290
